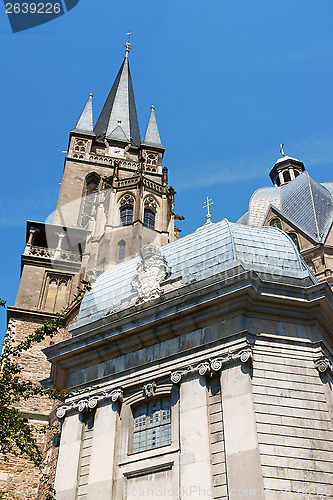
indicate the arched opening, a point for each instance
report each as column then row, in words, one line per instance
column 275, row 223
column 149, row 218
column 286, row 176
column 126, row 210
column 91, row 187
column 296, row 172
column 294, row 238
column 121, row 251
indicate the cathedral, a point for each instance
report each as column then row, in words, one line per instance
column 199, row 366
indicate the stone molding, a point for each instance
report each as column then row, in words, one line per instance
column 88, row 404
column 213, row 365
column 151, row 271
column 323, row 365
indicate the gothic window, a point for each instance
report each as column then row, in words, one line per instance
column 56, row 293
column 152, row 425
column 150, row 207
column 149, row 218
column 126, row 210
column 275, row 223
column 294, row 238
column 89, row 195
column 126, row 216
column 121, row 251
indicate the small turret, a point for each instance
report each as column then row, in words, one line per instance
column 285, row 170
column 85, row 123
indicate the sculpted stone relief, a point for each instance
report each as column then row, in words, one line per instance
column 151, row 271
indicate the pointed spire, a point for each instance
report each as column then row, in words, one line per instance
column 118, row 117
column 85, row 123
column 152, row 137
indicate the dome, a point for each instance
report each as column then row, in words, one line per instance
column 206, row 252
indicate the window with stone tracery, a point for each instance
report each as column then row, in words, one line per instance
column 151, row 162
column 56, row 292
column 152, row 425
column 150, row 207
column 126, row 209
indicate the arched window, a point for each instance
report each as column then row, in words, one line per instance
column 121, row 250
column 275, row 223
column 152, row 425
column 286, row 176
column 294, row 238
column 126, row 210
column 296, row 172
column 91, row 187
column 149, row 218
column 126, row 216
column 150, row 207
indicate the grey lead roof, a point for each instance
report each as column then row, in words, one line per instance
column 303, row 201
column 152, row 137
column 206, row 252
column 119, row 111
column 85, row 123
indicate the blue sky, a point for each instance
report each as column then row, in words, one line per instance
column 230, row 80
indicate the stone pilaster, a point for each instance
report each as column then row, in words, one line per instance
column 69, row 458
column 195, row 469
column 240, row 430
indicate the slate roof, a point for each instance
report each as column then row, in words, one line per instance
column 119, row 110
column 152, row 137
column 303, row 201
column 206, row 252
column 85, row 123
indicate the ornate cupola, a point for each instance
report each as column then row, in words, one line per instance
column 285, row 170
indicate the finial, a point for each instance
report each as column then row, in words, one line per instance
column 91, row 95
column 152, row 107
column 281, row 149
column 207, row 204
column 128, row 46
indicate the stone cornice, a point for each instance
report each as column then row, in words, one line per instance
column 176, row 312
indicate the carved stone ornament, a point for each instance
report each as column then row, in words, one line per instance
column 212, row 365
column 88, row 404
column 323, row 365
column 151, row 271
column 149, row 389
column 202, row 369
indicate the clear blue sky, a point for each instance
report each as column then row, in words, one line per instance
column 230, row 80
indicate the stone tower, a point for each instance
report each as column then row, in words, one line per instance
column 114, row 198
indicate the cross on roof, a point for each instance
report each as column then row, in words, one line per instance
column 207, row 204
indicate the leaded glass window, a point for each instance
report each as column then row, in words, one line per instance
column 152, row 425
column 126, row 216
column 149, row 218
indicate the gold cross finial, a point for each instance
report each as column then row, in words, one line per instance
column 207, row 204
column 128, row 46
column 281, row 149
